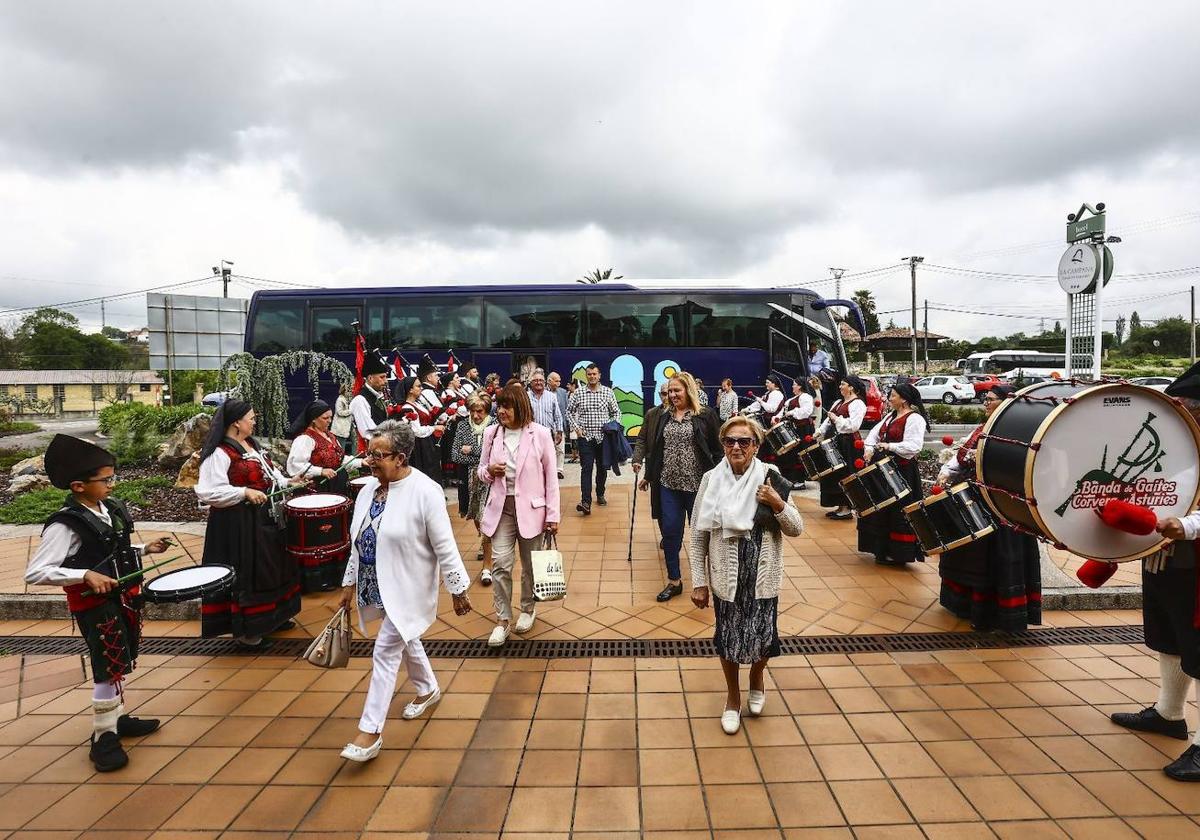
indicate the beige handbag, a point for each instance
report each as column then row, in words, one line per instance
column 549, row 576
column 331, row 647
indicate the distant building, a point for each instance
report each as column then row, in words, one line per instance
column 900, row 338
column 849, row 335
column 141, row 336
column 76, row 393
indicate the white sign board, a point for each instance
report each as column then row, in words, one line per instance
column 1078, row 267
column 196, row 333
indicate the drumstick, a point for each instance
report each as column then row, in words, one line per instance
column 139, row 572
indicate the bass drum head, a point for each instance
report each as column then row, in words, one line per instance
column 316, row 501
column 1113, row 441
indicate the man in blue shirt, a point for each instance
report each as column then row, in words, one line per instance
column 818, row 359
column 554, row 381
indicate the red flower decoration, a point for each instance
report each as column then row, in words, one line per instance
column 808, row 438
column 858, row 444
column 859, row 463
column 817, row 403
column 935, row 490
column 947, row 440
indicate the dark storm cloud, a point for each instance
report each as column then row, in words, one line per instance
column 651, row 121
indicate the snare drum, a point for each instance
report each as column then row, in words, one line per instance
column 822, row 458
column 875, row 487
column 1056, row 451
column 783, row 437
column 188, row 584
column 949, row 520
column 321, row 520
column 357, row 484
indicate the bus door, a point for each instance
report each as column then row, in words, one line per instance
column 786, row 358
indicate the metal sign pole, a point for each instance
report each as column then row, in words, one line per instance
column 1069, row 368
column 1098, row 317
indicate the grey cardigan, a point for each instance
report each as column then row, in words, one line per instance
column 714, row 560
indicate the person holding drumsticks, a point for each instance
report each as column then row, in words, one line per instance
column 799, row 412
column 403, row 544
column 316, row 453
column 899, row 434
column 763, row 408
column 736, row 555
column 843, row 421
column 995, row 582
column 236, row 476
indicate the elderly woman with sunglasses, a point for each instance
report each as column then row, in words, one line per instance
column 403, row 543
column 736, row 555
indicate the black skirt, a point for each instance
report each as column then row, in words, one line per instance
column 427, row 457
column 266, row 592
column 1168, row 609
column 886, row 533
column 832, row 494
column 789, row 464
column 995, row 583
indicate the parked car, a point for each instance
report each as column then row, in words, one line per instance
column 874, row 401
column 984, row 382
column 947, row 389
column 1158, row 383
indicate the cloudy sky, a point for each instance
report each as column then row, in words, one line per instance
column 372, row 143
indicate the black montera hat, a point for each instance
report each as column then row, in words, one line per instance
column 374, row 362
column 1187, row 386
column 70, row 459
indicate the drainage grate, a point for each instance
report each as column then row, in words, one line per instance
column 606, row 648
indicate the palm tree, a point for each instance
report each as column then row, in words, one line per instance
column 596, row 276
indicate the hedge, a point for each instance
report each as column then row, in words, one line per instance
column 148, row 418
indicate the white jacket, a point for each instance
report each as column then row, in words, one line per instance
column 414, row 546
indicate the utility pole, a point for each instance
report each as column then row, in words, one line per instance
column 223, row 271
column 103, row 322
column 1192, row 334
column 925, row 329
column 837, row 280
column 912, row 267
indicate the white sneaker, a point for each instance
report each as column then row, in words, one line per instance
column 353, row 752
column 485, row 577
column 499, row 636
column 525, row 621
column 756, row 701
column 415, row 709
column 731, row 721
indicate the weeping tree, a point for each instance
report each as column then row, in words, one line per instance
column 261, row 382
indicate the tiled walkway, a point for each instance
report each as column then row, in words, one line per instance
column 951, row 745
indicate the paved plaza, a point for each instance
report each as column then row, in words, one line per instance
column 1005, row 742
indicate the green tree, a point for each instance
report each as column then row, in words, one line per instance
column 1120, row 329
column 1170, row 333
column 598, row 276
column 1058, row 328
column 115, row 333
column 1135, row 324
column 866, row 302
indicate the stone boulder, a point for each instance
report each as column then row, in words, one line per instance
column 187, row 438
column 189, row 473
column 29, row 481
column 30, row 466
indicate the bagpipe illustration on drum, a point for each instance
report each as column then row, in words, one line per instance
column 1045, row 463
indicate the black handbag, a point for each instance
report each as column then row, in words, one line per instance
column 764, row 517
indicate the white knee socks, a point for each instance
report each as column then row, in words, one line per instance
column 106, row 708
column 1196, row 736
column 1173, row 692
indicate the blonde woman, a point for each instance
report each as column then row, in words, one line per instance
column 681, row 445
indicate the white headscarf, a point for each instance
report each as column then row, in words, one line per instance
column 730, row 500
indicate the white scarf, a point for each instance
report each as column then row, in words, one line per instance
column 730, row 500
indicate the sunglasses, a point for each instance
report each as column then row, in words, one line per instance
column 743, row 442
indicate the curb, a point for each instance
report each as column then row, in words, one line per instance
column 51, row 607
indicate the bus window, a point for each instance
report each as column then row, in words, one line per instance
column 636, row 321
column 278, row 326
column 445, row 323
column 331, row 328
column 728, row 322
column 373, row 327
column 515, row 322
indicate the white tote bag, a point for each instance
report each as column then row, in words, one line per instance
column 549, row 576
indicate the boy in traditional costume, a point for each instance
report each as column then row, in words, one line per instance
column 85, row 548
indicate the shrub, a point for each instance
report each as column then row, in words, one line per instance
column 148, row 418
column 941, row 413
column 33, row 507
column 18, row 427
column 9, row 457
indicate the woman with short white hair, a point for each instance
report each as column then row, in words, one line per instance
column 737, row 553
column 403, row 542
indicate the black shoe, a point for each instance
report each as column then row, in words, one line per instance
column 1186, row 768
column 600, row 500
column 670, row 592
column 287, row 625
column 584, row 508
column 840, row 517
column 830, row 514
column 1149, row 720
column 107, row 754
column 131, row 727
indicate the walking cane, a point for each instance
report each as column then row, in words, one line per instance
column 632, row 519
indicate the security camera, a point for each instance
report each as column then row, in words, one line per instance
column 1100, row 207
column 216, row 270
column 1070, row 217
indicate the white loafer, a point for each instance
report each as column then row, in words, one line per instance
column 415, row 709
column 755, row 702
column 353, row 752
column 525, row 621
column 499, row 636
column 731, row 721
column 485, row 577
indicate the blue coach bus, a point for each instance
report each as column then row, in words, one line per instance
column 637, row 336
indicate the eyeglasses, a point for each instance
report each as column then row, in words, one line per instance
column 734, row 442
column 375, row 456
column 991, row 399
column 110, row 481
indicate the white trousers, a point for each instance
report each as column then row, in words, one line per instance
column 391, row 652
column 560, row 450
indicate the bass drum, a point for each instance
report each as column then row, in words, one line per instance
column 1053, row 453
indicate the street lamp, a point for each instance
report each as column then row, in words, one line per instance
column 223, row 271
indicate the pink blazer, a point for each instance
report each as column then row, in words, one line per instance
column 536, row 485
